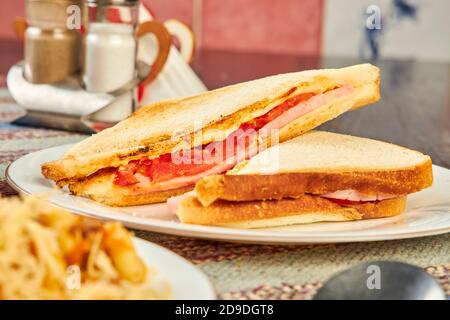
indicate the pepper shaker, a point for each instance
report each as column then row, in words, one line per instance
column 51, row 50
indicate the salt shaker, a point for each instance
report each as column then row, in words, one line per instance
column 109, row 57
column 110, row 51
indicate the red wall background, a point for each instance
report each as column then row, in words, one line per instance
column 8, row 10
column 288, row 26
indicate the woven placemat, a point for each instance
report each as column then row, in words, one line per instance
column 307, row 291
column 240, row 271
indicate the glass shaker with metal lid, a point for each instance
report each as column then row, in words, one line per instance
column 110, row 43
column 51, row 49
column 111, row 33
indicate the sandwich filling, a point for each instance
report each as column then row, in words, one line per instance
column 342, row 197
column 350, row 195
column 176, row 170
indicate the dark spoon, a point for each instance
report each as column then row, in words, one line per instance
column 381, row 280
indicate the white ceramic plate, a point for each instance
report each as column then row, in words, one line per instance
column 180, row 273
column 428, row 212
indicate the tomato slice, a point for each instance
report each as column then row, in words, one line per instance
column 261, row 121
column 124, row 176
column 164, row 168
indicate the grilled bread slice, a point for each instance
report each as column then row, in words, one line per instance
column 160, row 127
column 100, row 187
column 306, row 180
column 272, row 213
column 320, row 162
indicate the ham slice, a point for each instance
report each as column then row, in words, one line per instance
column 354, row 195
column 315, row 102
column 306, row 107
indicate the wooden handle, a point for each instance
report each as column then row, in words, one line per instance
column 164, row 43
column 20, row 26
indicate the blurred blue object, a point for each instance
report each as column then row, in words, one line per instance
column 404, row 8
column 372, row 40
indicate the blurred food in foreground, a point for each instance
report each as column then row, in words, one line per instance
column 47, row 253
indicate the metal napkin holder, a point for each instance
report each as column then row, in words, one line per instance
column 62, row 122
column 79, row 123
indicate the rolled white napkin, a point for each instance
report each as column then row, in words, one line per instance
column 66, row 97
column 177, row 79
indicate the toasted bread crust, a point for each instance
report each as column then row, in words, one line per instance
column 190, row 210
column 100, row 187
column 261, row 187
column 114, row 147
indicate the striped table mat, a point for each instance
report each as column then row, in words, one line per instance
column 240, row 271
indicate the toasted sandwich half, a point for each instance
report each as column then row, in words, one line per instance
column 133, row 162
column 319, row 176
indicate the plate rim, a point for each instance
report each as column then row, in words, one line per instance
column 207, row 282
column 227, row 234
